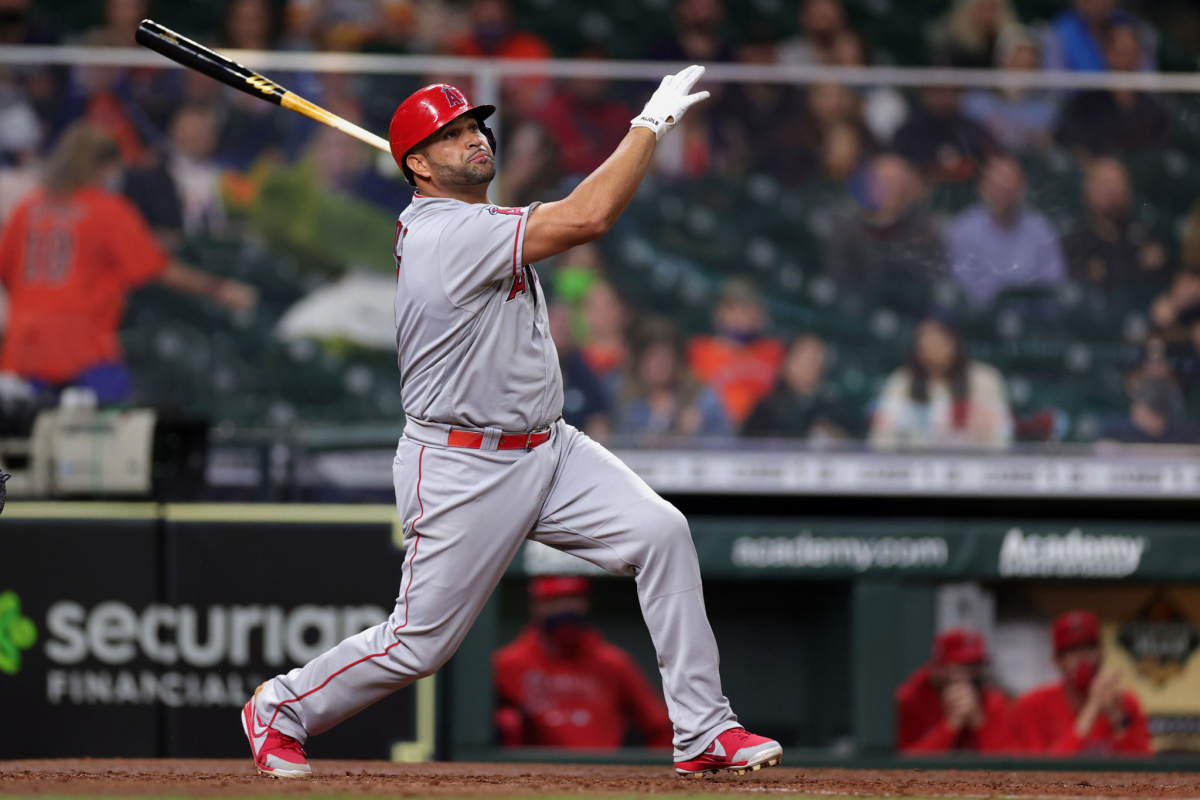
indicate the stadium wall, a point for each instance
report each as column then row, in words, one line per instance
column 154, row 622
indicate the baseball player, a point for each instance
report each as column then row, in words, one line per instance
column 486, row 460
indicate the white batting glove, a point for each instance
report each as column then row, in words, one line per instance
column 670, row 101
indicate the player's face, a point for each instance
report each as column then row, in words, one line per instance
column 458, row 154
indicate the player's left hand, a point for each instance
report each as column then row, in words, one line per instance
column 670, row 101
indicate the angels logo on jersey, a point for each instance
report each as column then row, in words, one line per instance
column 521, row 281
column 512, row 212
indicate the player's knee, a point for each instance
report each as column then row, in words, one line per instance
column 665, row 526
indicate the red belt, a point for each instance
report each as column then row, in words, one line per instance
column 473, row 440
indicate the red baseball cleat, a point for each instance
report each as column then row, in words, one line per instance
column 275, row 755
column 734, row 751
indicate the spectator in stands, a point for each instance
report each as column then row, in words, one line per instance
column 888, row 234
column 1156, row 415
column 1108, row 248
column 832, row 135
column 658, row 395
column 968, row 33
column 943, row 143
column 106, row 108
column 343, row 164
column 1118, row 120
column 801, row 405
column 738, row 362
column 348, row 25
column 1018, row 119
column 585, row 401
column 560, row 684
column 20, row 141
column 821, row 23
column 494, row 35
column 19, row 26
column 252, row 25
column 1184, row 352
column 70, row 254
column 942, row 398
column 182, row 194
column 884, row 107
column 606, row 346
column 584, row 120
column 121, row 18
column 947, row 704
column 1001, row 242
column 1086, row 712
column 1075, row 40
column 698, row 34
column 752, row 146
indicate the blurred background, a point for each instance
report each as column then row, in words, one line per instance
column 906, row 318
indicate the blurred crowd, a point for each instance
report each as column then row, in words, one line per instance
column 198, row 160
column 952, row 705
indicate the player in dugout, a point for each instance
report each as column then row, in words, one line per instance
column 1086, row 712
column 560, row 684
column 947, row 705
column 70, row 255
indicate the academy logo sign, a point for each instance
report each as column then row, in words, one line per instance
column 17, row 633
column 1070, row 555
column 841, row 552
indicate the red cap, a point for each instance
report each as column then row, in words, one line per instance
column 550, row 587
column 1075, row 629
column 425, row 111
column 958, row 646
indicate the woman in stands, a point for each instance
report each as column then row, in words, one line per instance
column 659, row 395
column 70, row 255
column 941, row 398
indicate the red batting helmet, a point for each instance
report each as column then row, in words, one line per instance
column 427, row 110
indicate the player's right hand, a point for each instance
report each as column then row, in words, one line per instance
column 670, row 101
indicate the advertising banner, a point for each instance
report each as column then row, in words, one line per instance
column 156, row 629
column 67, row 632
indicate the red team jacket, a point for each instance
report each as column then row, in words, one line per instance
column 922, row 728
column 1046, row 724
column 584, row 702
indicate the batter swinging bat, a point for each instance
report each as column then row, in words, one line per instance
column 193, row 55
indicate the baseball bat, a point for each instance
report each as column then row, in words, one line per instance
column 194, row 55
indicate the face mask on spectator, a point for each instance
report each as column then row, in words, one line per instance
column 1082, row 675
column 566, row 631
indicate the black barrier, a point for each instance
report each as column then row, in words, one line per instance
column 79, row 685
column 152, row 630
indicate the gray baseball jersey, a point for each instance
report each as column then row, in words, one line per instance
column 472, row 334
column 475, row 351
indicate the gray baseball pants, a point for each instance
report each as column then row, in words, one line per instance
column 465, row 514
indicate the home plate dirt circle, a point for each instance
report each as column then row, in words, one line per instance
column 221, row 778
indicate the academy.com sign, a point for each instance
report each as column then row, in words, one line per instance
column 840, row 552
column 1070, row 555
column 202, row 649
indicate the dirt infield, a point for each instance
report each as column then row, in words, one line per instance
column 376, row 778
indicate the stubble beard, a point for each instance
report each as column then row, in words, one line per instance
column 469, row 174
